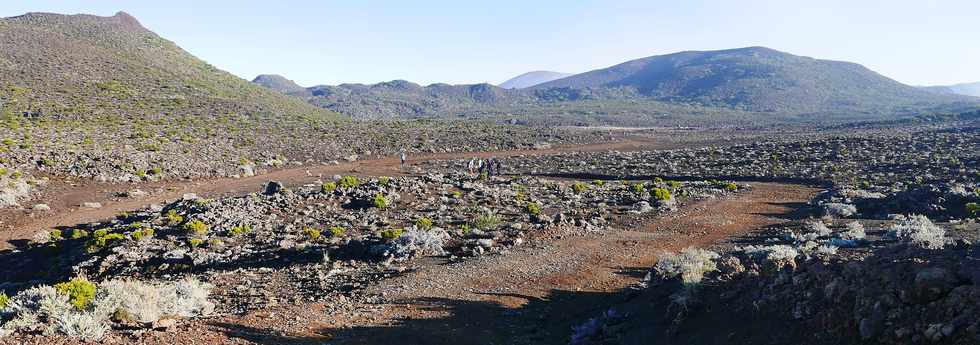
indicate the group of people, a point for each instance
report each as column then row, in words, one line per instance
column 479, row 167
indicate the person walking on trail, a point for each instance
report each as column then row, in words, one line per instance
column 402, row 156
column 472, row 166
column 496, row 167
column 480, row 167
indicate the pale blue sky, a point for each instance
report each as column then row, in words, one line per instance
column 325, row 41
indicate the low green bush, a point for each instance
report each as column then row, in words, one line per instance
column 973, row 210
column 196, row 227
column 423, row 223
column 533, row 208
column 311, row 234
column 348, row 182
column 80, row 292
column 391, row 234
column 380, row 201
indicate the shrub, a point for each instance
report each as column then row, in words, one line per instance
column 380, row 201
column 579, row 187
column 972, row 210
column 661, row 194
column 674, row 184
column 464, row 228
column 100, row 239
column 337, row 231
column 239, row 230
column 533, row 208
column 855, row 231
column 599, row 183
column 730, row 186
column 456, row 194
column 414, row 243
column 196, row 227
column 486, row 221
column 186, row 298
column 383, row 180
column 79, row 291
column 55, row 235
column 348, row 182
column 638, row 187
column 78, row 233
column 920, row 231
column 311, row 234
column 85, row 326
column 142, row 233
column 690, row 265
column 156, row 171
column 4, row 300
column 173, row 218
column 423, row 223
column 328, row 187
column 841, row 210
column 194, row 242
column 391, row 234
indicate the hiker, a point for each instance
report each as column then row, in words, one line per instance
column 402, row 156
column 480, row 167
column 496, row 168
column 472, row 166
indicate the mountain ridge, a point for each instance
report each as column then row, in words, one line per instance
column 529, row 79
column 750, row 79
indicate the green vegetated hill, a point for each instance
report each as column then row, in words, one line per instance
column 754, row 79
column 720, row 86
column 78, row 66
column 402, row 99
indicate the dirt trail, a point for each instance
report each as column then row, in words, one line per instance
column 65, row 199
column 531, row 295
column 534, row 295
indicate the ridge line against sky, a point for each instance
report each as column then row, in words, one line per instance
column 333, row 42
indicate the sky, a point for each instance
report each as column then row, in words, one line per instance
column 330, row 42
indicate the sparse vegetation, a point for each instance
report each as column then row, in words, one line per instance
column 661, row 194
column 328, row 187
column 196, row 227
column 423, row 223
column 690, row 265
column 391, row 234
column 533, row 208
column 80, row 292
column 311, row 234
column 348, row 182
column 380, row 202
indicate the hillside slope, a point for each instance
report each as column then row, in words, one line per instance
column 754, row 79
column 279, row 83
column 530, row 79
column 84, row 65
column 403, row 99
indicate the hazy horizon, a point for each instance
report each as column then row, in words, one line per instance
column 332, row 43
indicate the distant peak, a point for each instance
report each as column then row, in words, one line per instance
column 127, row 20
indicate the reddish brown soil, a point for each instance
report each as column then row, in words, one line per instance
column 65, row 196
column 533, row 294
